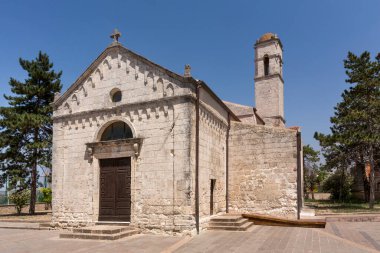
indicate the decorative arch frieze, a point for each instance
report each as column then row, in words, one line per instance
column 67, row 108
column 106, row 65
column 150, row 79
column 169, row 90
column 146, row 76
column 160, row 84
column 119, row 60
column 99, row 73
column 136, row 67
column 75, row 99
column 90, row 82
column 83, row 91
column 124, row 62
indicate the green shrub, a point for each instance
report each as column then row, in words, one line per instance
column 339, row 185
column 20, row 199
column 46, row 195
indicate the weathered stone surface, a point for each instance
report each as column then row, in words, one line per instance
column 159, row 107
column 263, row 177
column 269, row 85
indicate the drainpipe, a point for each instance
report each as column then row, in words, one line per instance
column 197, row 158
column 299, row 175
column 227, row 154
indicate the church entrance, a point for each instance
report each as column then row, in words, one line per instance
column 115, row 189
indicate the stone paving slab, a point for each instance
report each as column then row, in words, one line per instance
column 259, row 239
column 365, row 233
column 28, row 241
column 271, row 239
column 20, row 225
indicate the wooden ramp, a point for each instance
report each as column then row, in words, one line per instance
column 259, row 219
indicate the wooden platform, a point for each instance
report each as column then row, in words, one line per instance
column 259, row 219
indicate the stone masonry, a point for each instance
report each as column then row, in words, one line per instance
column 263, row 170
column 159, row 108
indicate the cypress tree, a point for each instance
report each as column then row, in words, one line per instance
column 26, row 125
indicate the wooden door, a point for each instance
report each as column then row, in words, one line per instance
column 212, row 187
column 115, row 189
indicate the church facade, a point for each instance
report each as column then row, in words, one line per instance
column 135, row 142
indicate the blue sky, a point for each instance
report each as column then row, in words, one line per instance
column 215, row 37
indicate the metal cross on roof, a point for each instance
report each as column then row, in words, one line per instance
column 115, row 35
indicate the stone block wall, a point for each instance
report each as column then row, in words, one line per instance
column 161, row 178
column 212, row 162
column 263, row 170
column 158, row 107
column 269, row 48
column 11, row 209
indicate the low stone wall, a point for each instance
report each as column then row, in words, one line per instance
column 263, row 170
column 320, row 195
column 11, row 209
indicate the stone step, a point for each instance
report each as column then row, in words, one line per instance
column 45, row 226
column 95, row 236
column 228, row 223
column 102, row 229
column 243, row 227
column 227, row 218
column 113, row 223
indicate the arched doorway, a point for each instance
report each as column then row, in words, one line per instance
column 115, row 177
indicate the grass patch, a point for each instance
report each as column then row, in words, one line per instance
column 328, row 206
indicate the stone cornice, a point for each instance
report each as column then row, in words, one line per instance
column 115, row 108
column 269, row 56
column 257, row 79
column 211, row 111
column 267, row 42
column 276, row 117
column 114, row 143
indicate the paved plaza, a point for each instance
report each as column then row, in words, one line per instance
column 337, row 237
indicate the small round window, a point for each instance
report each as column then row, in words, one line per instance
column 116, row 96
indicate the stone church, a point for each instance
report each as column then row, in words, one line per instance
column 135, row 142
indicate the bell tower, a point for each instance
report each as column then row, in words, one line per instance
column 269, row 84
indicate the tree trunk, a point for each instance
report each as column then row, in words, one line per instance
column 366, row 187
column 341, row 185
column 33, row 189
column 371, row 179
column 312, row 194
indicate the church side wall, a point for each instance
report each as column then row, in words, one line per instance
column 263, row 170
column 212, row 162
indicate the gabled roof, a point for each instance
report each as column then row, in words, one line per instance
column 244, row 111
column 117, row 46
column 240, row 110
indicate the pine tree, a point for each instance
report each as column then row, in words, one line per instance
column 362, row 121
column 26, row 125
column 356, row 124
column 311, row 169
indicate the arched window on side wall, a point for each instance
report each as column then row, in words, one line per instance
column 266, row 65
column 117, row 131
